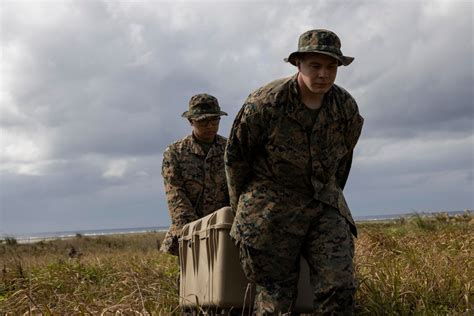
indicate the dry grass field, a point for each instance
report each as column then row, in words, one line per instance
column 421, row 266
column 417, row 266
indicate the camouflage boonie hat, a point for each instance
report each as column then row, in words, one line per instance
column 320, row 41
column 202, row 106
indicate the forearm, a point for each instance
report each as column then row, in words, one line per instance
column 180, row 207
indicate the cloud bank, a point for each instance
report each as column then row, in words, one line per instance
column 92, row 93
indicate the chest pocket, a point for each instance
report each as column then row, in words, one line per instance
column 288, row 143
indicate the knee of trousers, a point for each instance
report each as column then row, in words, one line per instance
column 334, row 281
column 268, row 270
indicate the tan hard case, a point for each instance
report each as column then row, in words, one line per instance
column 210, row 271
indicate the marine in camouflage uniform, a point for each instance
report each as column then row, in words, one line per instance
column 193, row 170
column 287, row 164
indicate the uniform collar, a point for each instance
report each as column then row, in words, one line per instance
column 196, row 149
column 295, row 106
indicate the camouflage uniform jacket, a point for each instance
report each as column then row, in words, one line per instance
column 195, row 184
column 275, row 166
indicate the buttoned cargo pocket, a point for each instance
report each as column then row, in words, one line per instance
column 265, row 217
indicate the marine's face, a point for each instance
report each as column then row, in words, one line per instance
column 206, row 130
column 317, row 72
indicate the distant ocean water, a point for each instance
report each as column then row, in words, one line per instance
column 34, row 237
column 365, row 218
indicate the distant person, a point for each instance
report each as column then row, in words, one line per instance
column 287, row 161
column 193, row 170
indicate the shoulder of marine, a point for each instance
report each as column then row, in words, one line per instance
column 180, row 145
column 276, row 94
column 221, row 140
column 343, row 102
column 270, row 93
column 267, row 97
column 188, row 144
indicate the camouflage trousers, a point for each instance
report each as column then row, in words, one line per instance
column 328, row 248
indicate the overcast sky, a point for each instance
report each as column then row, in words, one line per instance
column 92, row 93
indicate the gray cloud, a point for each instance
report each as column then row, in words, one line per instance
column 89, row 193
column 93, row 92
column 422, row 82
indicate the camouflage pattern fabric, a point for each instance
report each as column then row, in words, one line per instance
column 276, row 169
column 195, row 184
column 320, row 41
column 202, row 106
column 329, row 249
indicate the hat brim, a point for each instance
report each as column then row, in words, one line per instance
column 202, row 116
column 342, row 60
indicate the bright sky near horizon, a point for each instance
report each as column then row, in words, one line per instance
column 91, row 93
